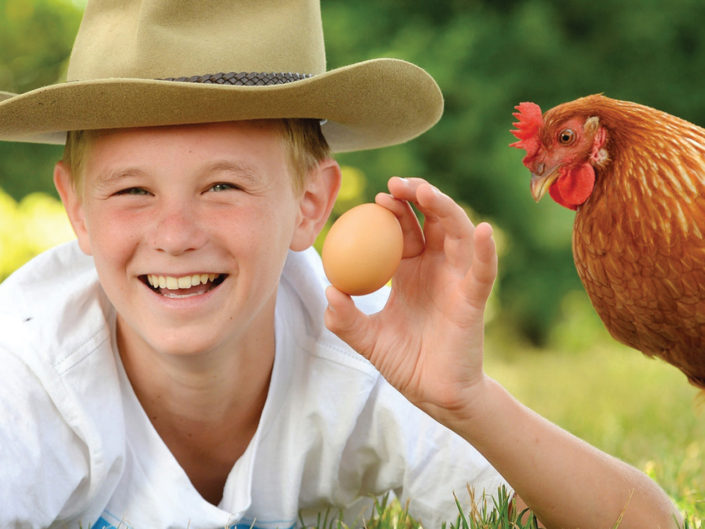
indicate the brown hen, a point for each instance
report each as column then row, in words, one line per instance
column 636, row 178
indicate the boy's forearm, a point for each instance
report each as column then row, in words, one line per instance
column 564, row 480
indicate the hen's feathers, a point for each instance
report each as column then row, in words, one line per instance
column 639, row 240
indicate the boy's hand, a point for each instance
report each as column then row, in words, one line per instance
column 428, row 340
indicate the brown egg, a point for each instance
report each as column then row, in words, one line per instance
column 362, row 249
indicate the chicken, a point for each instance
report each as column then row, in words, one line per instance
column 636, row 178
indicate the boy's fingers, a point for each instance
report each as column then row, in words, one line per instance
column 433, row 203
column 405, row 188
column 345, row 320
column 446, row 222
column 446, row 225
column 484, row 266
column 411, row 229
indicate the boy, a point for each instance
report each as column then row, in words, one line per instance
column 173, row 369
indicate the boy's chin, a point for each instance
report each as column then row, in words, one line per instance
column 184, row 347
column 150, row 339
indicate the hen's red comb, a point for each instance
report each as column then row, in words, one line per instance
column 529, row 121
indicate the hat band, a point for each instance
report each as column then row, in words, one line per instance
column 243, row 78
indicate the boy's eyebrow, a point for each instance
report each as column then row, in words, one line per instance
column 239, row 168
column 243, row 171
column 106, row 178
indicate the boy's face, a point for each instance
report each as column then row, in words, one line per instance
column 211, row 203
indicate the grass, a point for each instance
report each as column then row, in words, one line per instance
column 638, row 409
column 389, row 514
column 502, row 514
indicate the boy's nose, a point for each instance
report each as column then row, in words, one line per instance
column 177, row 230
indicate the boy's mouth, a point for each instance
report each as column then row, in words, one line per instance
column 183, row 286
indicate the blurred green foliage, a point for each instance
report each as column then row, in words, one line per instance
column 29, row 227
column 35, row 41
column 487, row 56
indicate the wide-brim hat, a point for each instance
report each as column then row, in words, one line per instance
column 138, row 63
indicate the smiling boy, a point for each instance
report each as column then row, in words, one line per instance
column 175, row 203
column 175, row 367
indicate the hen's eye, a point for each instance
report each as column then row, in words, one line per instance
column 566, row 137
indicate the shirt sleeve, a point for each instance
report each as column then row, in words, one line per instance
column 424, row 463
column 43, row 468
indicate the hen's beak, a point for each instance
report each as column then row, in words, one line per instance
column 542, row 180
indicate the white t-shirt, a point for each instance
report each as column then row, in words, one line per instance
column 77, row 448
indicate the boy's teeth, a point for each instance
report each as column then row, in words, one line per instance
column 176, row 283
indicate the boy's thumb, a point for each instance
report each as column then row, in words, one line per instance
column 345, row 320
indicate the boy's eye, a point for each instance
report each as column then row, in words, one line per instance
column 133, row 191
column 222, row 186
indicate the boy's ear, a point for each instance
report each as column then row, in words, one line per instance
column 316, row 202
column 72, row 204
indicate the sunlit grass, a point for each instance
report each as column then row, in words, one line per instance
column 390, row 514
column 638, row 409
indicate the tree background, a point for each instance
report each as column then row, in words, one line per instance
column 487, row 56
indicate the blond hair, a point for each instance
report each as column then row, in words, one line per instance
column 305, row 144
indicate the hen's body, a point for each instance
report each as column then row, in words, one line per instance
column 639, row 238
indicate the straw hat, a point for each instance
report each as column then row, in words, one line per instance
column 165, row 62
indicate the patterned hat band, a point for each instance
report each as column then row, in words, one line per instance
column 244, row 78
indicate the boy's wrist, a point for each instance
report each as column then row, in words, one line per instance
column 479, row 409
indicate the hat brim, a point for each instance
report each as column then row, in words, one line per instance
column 366, row 105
